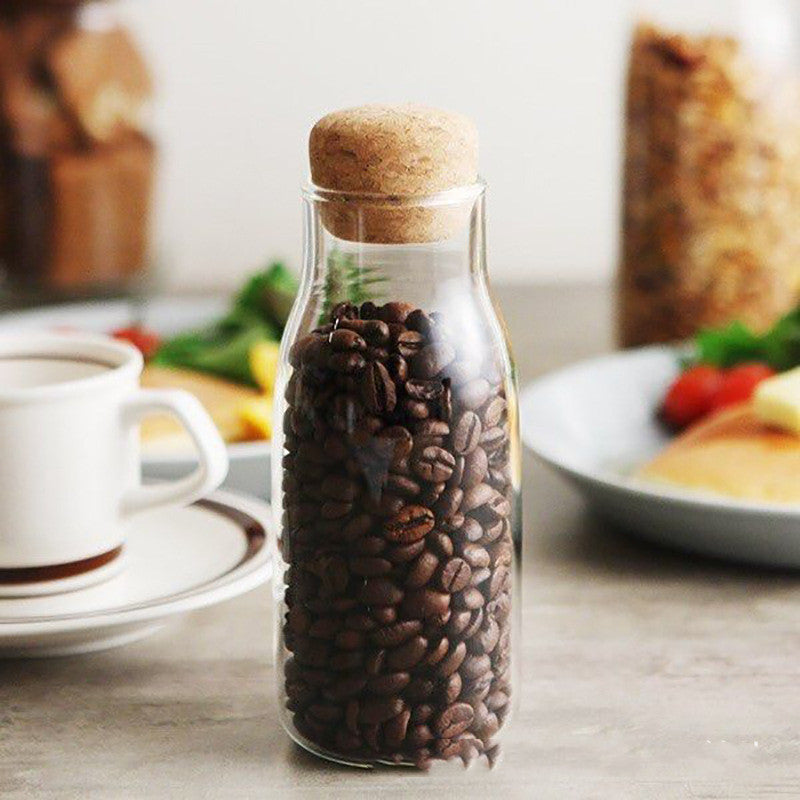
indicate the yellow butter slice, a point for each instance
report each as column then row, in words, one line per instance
column 776, row 401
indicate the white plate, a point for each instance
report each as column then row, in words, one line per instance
column 176, row 560
column 249, row 461
column 595, row 422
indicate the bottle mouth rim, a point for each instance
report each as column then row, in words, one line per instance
column 456, row 196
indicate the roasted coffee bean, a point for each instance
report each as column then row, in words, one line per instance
column 467, row 433
column 380, row 709
column 422, row 603
column 455, row 719
column 390, row 683
column 377, row 389
column 422, row 712
column 339, row 487
column 410, row 524
column 455, row 575
column 394, row 731
column 431, row 360
column 475, row 667
column 492, row 439
column 431, row 429
column 476, row 496
column 421, row 570
column 493, row 412
column 402, row 485
column 418, row 736
column 369, row 545
column 398, row 367
column 441, row 544
column 384, row 615
column 408, row 655
column 394, row 311
column 409, row 343
column 349, row 640
column 451, row 688
column 375, row 662
column 403, row 553
column 475, row 555
column 439, row 651
column 380, row 592
column 479, row 576
column 419, row 389
column 433, row 491
column 450, row 501
column 476, row 465
column 346, row 363
column 343, row 339
column 394, row 443
column 433, row 464
column 399, row 632
column 416, row 409
column 470, row 598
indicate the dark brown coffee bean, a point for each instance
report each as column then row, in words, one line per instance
column 452, row 661
column 433, row 491
column 394, row 443
column 431, row 429
column 479, row 576
column 397, row 633
column 360, row 622
column 471, row 530
column 433, row 464
column 394, row 731
column 325, row 712
column 380, row 592
column 431, row 360
column 398, row 367
column 346, row 686
column 455, row 575
column 375, row 662
column 449, row 503
column 403, row 553
column 394, row 311
column 402, row 485
column 390, row 683
column 422, row 603
column 369, row 545
column 422, row 712
column 455, row 719
column 416, row 409
column 377, row 389
column 373, row 711
column 409, row 343
column 492, row 439
column 346, row 741
column 367, row 567
column 458, row 622
column 384, row 615
column 339, row 487
column 343, row 339
column 489, row 635
column 349, row 640
column 467, row 433
column 440, row 543
column 422, row 570
column 346, row 363
column 324, row 628
column 346, row 660
column 475, row 667
column 439, row 651
column 410, row 524
column 408, row 655
column 460, row 372
column 500, row 581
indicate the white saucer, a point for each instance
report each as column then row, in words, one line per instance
column 176, row 560
column 595, row 422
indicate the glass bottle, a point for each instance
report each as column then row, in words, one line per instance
column 711, row 190
column 77, row 162
column 396, row 475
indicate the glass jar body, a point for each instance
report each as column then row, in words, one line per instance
column 711, row 189
column 77, row 162
column 396, row 475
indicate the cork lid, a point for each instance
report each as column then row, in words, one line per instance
column 387, row 162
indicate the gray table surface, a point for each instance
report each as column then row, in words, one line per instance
column 645, row 673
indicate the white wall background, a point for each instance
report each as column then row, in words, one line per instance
column 241, row 83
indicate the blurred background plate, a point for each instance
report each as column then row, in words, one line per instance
column 249, row 461
column 595, row 422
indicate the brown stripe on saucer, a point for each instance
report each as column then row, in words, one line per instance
column 17, row 575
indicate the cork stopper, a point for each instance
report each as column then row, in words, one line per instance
column 387, row 161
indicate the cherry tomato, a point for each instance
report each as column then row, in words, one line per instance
column 146, row 341
column 738, row 384
column 690, row 395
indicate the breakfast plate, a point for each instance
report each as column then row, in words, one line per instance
column 175, row 560
column 596, row 422
column 249, row 461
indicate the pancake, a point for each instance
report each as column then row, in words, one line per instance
column 222, row 399
column 732, row 453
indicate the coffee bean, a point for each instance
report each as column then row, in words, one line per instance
column 475, row 555
column 467, row 433
column 390, row 683
column 402, row 485
column 380, row 709
column 421, row 603
column 395, row 442
column 439, row 651
column 343, row 339
column 403, row 553
column 377, row 389
column 455, row 719
column 431, row 360
column 433, row 464
column 339, row 487
column 492, row 413
column 410, row 524
column 418, row 389
column 399, row 632
column 475, row 667
column 384, row 615
column 470, row 598
column 476, row 496
column 346, row 363
column 452, row 661
column 398, row 367
column 409, row 343
column 455, row 575
column 421, row 570
column 394, row 732
column 419, row 735
column 476, row 465
column 380, row 592
column 408, row 655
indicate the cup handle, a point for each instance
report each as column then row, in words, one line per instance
column 211, row 449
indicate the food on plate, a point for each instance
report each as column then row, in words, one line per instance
column 777, row 401
column 225, row 401
column 732, row 453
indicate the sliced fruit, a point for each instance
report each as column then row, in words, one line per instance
column 256, row 414
column 690, row 395
column 264, row 364
column 739, row 383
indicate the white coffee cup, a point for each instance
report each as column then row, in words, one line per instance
column 69, row 456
